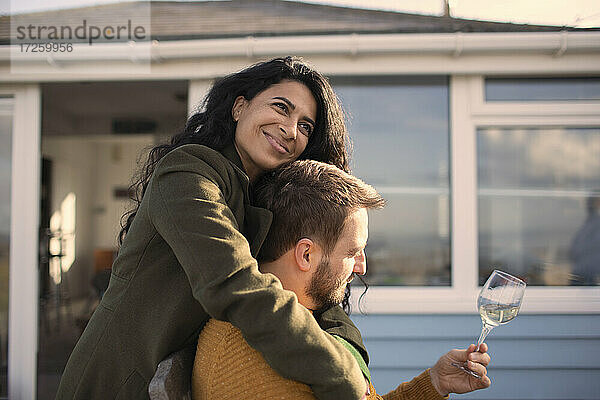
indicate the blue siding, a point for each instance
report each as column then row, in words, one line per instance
column 533, row 357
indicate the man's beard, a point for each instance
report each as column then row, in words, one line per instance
column 326, row 289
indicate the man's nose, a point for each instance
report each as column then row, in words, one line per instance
column 360, row 266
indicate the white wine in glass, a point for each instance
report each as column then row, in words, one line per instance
column 499, row 301
column 498, row 304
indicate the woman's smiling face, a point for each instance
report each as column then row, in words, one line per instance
column 273, row 128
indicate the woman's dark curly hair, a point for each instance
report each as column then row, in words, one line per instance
column 213, row 125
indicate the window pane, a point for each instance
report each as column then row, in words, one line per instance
column 5, row 172
column 540, row 89
column 539, row 204
column 399, row 128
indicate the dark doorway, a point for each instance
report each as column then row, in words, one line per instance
column 93, row 136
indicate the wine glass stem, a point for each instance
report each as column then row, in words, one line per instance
column 485, row 330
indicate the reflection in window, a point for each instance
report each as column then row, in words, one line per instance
column 400, row 128
column 542, row 89
column 539, row 204
column 62, row 238
column 5, row 173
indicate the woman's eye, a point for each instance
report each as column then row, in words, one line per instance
column 306, row 129
column 281, row 106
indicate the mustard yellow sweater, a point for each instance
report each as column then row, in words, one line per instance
column 226, row 367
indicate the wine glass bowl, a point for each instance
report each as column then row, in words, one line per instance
column 498, row 303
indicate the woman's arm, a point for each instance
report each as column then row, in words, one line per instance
column 189, row 210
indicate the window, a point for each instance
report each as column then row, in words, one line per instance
column 524, row 178
column 539, row 204
column 400, row 132
column 542, row 89
column 536, row 185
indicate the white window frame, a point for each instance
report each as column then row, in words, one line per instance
column 24, row 233
column 468, row 111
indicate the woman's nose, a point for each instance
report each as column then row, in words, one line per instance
column 288, row 131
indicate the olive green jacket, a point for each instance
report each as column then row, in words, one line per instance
column 189, row 254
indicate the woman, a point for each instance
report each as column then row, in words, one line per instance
column 188, row 247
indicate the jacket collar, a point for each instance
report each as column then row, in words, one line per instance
column 232, row 155
column 258, row 220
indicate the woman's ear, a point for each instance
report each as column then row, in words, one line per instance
column 306, row 254
column 238, row 106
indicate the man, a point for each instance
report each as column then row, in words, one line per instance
column 315, row 247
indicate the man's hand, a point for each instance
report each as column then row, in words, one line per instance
column 447, row 378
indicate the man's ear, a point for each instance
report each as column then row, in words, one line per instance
column 306, row 254
column 238, row 105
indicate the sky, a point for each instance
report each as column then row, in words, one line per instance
column 579, row 13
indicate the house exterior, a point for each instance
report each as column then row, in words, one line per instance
column 483, row 137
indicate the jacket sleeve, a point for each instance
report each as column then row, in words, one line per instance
column 188, row 208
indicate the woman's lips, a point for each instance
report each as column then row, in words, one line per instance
column 276, row 145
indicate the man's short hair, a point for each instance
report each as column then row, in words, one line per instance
column 309, row 199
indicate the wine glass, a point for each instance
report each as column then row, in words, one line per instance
column 498, row 304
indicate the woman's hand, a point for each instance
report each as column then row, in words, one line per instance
column 368, row 391
column 446, row 378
